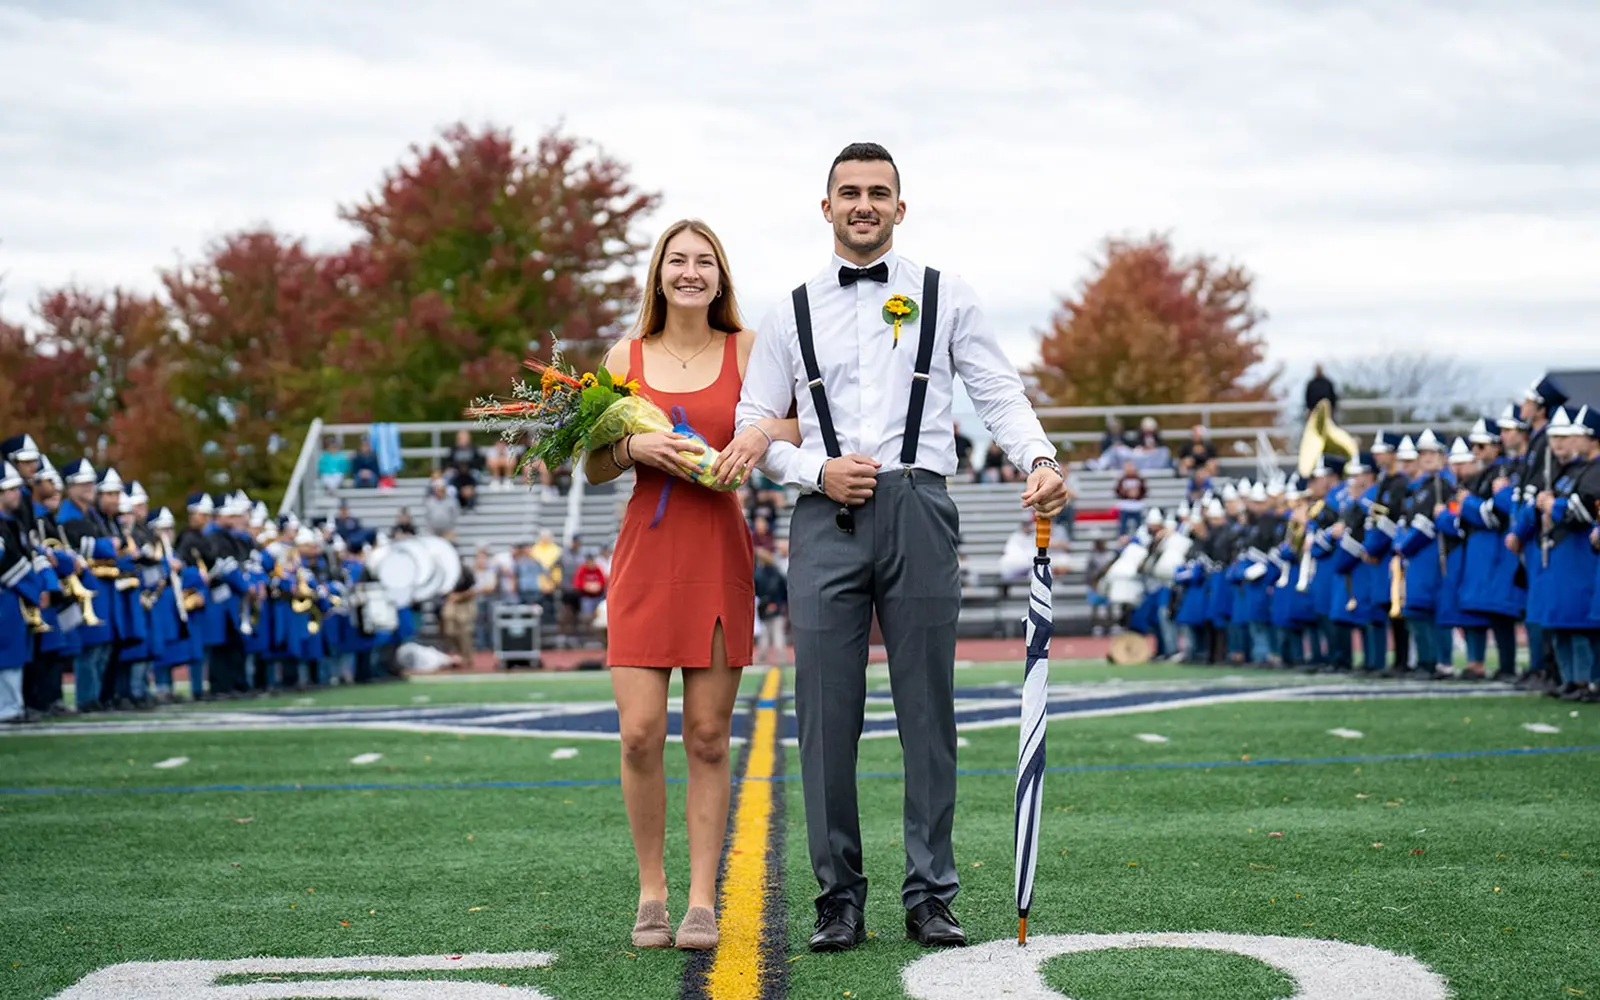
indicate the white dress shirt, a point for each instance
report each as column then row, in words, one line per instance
column 868, row 379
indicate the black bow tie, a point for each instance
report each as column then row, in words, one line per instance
column 878, row 272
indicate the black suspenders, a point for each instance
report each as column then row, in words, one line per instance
column 919, row 377
column 808, row 355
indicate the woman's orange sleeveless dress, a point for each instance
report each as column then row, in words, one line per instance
column 672, row 583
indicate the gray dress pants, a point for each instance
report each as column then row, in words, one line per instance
column 900, row 561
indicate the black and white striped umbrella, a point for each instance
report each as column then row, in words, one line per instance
column 1030, row 746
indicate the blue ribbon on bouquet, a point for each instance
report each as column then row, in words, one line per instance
column 680, row 425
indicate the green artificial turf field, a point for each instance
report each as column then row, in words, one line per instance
column 1250, row 819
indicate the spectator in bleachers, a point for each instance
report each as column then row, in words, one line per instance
column 996, row 467
column 1130, row 493
column 1320, row 387
column 759, row 504
column 440, row 512
column 346, row 524
column 963, row 452
column 1100, row 560
column 772, row 607
column 590, row 583
column 1201, row 481
column 761, row 535
column 333, row 465
column 1112, row 436
column 501, row 465
column 458, row 615
column 487, row 592
column 1016, row 560
column 571, row 597
column 1197, row 452
column 364, row 467
column 606, row 552
column 404, row 527
column 1149, row 434
column 462, row 464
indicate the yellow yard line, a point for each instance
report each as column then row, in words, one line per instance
column 736, row 973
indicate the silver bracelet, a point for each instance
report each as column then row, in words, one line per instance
column 764, row 433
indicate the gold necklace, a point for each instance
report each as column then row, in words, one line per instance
column 683, row 360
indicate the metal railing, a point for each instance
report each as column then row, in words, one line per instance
column 428, row 442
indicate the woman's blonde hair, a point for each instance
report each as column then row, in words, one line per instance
column 724, row 312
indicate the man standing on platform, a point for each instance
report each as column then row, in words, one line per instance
column 875, row 529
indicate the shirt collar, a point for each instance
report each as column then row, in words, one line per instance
column 888, row 257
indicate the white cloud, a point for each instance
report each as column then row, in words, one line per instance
column 1396, row 174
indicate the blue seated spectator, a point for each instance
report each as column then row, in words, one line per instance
column 364, row 467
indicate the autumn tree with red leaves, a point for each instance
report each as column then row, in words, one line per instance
column 472, row 256
column 1150, row 327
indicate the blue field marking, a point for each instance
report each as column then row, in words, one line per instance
column 470, row 786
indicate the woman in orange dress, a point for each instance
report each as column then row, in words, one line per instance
column 682, row 590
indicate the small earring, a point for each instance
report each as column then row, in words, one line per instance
column 718, row 295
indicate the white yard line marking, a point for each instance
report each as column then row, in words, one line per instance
column 171, row 762
column 1540, row 727
column 1346, row 734
column 962, row 741
column 564, row 753
column 366, row 758
column 1151, row 737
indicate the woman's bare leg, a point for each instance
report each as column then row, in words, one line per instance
column 641, row 694
column 708, row 699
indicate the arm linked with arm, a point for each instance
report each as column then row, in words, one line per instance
column 766, row 398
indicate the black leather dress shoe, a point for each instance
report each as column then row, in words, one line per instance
column 840, row 926
column 931, row 924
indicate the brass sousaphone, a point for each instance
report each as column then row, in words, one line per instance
column 1321, row 437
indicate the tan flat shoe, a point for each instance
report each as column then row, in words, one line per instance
column 652, row 928
column 698, row 932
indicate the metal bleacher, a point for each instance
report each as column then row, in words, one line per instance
column 990, row 512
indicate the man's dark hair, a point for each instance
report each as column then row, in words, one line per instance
column 865, row 151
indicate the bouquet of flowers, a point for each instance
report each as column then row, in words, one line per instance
column 567, row 414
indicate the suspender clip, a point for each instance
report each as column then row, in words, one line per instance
column 921, row 376
column 815, row 383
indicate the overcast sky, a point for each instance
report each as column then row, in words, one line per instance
column 1398, row 175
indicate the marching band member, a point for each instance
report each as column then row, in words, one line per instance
column 54, row 650
column 1464, row 470
column 124, row 580
column 1385, row 504
column 1525, row 537
column 1567, row 513
column 1489, row 572
column 1351, row 609
column 1418, row 547
column 169, row 616
column 89, row 535
column 21, row 586
column 1328, row 497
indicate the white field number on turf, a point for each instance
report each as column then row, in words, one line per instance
column 1322, row 970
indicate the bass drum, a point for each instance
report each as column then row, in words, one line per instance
column 1122, row 583
column 377, row 608
column 1172, row 554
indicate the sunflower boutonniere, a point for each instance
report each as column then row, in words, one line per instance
column 899, row 309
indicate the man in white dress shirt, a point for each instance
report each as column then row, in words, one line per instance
column 875, row 528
